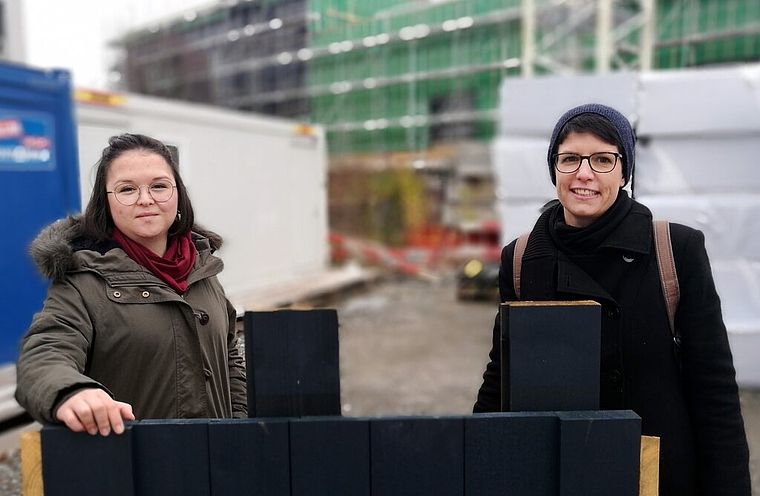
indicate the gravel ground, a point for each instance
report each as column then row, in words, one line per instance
column 408, row 347
column 10, row 473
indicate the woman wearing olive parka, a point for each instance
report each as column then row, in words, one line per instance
column 135, row 324
column 597, row 243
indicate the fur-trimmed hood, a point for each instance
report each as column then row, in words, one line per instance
column 54, row 249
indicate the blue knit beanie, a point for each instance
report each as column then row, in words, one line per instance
column 619, row 122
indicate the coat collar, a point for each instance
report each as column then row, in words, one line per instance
column 545, row 262
column 633, row 235
column 59, row 249
column 573, row 280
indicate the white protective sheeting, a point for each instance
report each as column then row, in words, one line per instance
column 697, row 163
column 531, row 107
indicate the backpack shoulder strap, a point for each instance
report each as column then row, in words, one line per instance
column 520, row 245
column 665, row 264
column 667, row 268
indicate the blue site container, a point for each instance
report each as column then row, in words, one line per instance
column 39, row 176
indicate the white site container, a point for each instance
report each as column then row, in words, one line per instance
column 258, row 181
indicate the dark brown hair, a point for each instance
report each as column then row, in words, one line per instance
column 97, row 222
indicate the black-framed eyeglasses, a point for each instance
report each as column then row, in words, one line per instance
column 128, row 194
column 602, row 162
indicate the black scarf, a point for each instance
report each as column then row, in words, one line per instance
column 581, row 241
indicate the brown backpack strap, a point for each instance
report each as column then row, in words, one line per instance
column 667, row 267
column 665, row 264
column 520, row 245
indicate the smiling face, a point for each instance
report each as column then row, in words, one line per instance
column 585, row 194
column 146, row 222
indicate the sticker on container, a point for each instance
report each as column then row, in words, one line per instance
column 26, row 141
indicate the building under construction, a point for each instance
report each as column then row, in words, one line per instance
column 407, row 90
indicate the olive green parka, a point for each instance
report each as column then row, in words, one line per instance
column 109, row 323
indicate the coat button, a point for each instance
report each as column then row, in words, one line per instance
column 203, row 318
column 613, row 312
column 615, row 376
column 145, row 294
column 117, row 294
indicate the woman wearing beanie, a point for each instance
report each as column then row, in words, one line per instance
column 602, row 243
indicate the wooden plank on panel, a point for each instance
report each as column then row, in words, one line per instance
column 329, row 456
column 550, row 355
column 171, row 457
column 292, row 363
column 599, row 452
column 512, row 453
column 73, row 462
column 31, row 464
column 649, row 476
column 417, row 455
column 249, row 456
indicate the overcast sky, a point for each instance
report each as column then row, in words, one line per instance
column 72, row 34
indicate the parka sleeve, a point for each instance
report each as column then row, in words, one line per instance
column 53, row 355
column 236, row 363
column 708, row 375
column 489, row 395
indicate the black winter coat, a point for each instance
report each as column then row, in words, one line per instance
column 691, row 401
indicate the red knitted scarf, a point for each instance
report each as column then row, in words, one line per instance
column 173, row 268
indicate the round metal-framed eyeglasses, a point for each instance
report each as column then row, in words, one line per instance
column 602, row 162
column 128, row 194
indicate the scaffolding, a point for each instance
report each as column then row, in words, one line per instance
column 404, row 75
column 413, row 84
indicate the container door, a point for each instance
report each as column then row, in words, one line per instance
column 39, row 177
